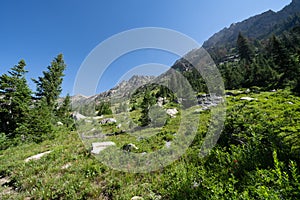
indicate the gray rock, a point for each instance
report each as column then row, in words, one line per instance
column 205, row 108
column 172, row 112
column 129, row 147
column 248, row 98
column 66, row 166
column 77, row 116
column 137, row 198
column 108, row 121
column 98, row 117
column 248, row 91
column 59, row 124
column 168, row 144
column 160, row 101
column 199, row 110
column 100, row 146
column 37, row 157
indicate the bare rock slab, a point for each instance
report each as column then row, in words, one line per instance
column 248, row 99
column 100, row 146
column 37, row 157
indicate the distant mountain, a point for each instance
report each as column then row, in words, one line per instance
column 126, row 87
column 259, row 27
column 121, row 90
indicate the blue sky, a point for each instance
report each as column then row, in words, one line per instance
column 37, row 31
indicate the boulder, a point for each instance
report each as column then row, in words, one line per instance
column 37, row 157
column 205, row 108
column 160, row 101
column 66, row 166
column 248, row 98
column 199, row 110
column 247, row 91
column 108, row 121
column 137, row 198
column 98, row 117
column 129, row 147
column 168, row 144
column 100, row 146
column 172, row 112
column 77, row 116
column 59, row 124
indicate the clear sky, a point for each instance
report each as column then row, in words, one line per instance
column 37, row 31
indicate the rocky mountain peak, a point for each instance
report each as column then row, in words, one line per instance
column 126, row 86
column 260, row 26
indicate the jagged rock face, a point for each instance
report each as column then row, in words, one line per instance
column 252, row 28
column 261, row 26
column 126, row 87
column 123, row 89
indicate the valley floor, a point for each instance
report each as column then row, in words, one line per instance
column 256, row 157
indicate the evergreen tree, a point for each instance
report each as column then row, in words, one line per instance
column 104, row 109
column 65, row 108
column 148, row 101
column 296, row 87
column 244, row 49
column 49, row 86
column 233, row 75
column 64, row 112
column 262, row 75
column 283, row 63
column 40, row 124
column 15, row 100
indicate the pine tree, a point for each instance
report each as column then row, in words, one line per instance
column 283, row 63
column 261, row 74
column 49, row 86
column 233, row 75
column 15, row 100
column 104, row 109
column 148, row 101
column 40, row 122
column 244, row 49
column 64, row 112
column 296, row 87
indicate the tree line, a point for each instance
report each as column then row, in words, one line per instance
column 271, row 64
column 32, row 116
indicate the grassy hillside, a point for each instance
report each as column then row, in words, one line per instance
column 257, row 157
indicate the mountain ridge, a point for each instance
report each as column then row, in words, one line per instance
column 121, row 90
column 260, row 26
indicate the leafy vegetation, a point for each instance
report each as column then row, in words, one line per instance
column 27, row 118
column 103, row 108
column 257, row 157
column 275, row 66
